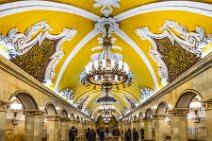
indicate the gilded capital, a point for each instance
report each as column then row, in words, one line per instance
column 3, row 105
column 34, row 113
column 179, row 111
column 53, row 118
column 159, row 117
column 208, row 104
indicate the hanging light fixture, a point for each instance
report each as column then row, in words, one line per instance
column 195, row 106
column 107, row 71
column 15, row 107
column 106, row 107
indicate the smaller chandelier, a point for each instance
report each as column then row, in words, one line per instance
column 15, row 107
column 106, row 107
column 195, row 106
column 107, row 71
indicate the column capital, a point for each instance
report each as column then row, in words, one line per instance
column 159, row 117
column 208, row 104
column 33, row 113
column 53, row 118
column 64, row 119
column 3, row 105
column 179, row 111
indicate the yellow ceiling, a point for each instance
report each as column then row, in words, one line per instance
column 60, row 20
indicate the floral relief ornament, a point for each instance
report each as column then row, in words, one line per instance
column 190, row 41
column 21, row 43
column 106, row 6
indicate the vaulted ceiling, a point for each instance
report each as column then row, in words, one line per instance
column 53, row 41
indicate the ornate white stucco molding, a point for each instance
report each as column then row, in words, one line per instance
column 189, row 6
column 190, row 41
column 67, row 94
column 21, row 43
column 106, row 6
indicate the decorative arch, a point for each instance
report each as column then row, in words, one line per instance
column 64, row 114
column 26, row 99
column 72, row 116
column 162, row 108
column 77, row 118
column 50, row 109
column 148, row 114
column 185, row 98
column 140, row 117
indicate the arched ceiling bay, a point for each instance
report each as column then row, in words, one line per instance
column 137, row 48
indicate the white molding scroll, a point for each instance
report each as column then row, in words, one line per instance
column 127, row 39
column 23, row 6
column 190, row 6
column 37, row 33
column 106, row 6
column 190, row 41
column 76, row 49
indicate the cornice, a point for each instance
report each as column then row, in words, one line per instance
column 17, row 72
column 200, row 67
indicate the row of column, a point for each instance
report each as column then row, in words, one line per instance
column 156, row 128
column 57, row 127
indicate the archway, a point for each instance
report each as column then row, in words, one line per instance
column 162, row 108
column 148, row 115
column 50, row 109
column 17, row 114
column 64, row 114
column 195, row 117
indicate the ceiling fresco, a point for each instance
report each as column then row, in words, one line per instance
column 54, row 40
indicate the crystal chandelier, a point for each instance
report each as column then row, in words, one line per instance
column 106, row 107
column 107, row 71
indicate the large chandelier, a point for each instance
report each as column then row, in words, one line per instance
column 107, row 71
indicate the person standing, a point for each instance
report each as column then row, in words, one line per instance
column 72, row 134
column 142, row 133
column 135, row 135
column 88, row 135
column 128, row 135
column 101, row 135
column 93, row 135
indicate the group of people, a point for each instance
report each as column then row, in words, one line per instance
column 134, row 135
column 72, row 134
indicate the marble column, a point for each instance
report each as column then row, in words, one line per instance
column 208, row 113
column 159, row 125
column 33, row 125
column 64, row 129
column 148, row 129
column 53, row 128
column 179, row 124
column 3, row 108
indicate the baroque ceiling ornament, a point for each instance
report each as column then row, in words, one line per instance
column 106, row 6
column 67, row 94
column 190, row 41
column 37, row 33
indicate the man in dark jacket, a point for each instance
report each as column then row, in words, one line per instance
column 142, row 133
column 102, row 135
column 135, row 135
column 72, row 134
column 88, row 135
column 93, row 135
column 128, row 135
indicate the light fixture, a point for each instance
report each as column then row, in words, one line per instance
column 168, row 120
column 15, row 107
column 106, row 107
column 107, row 71
column 195, row 106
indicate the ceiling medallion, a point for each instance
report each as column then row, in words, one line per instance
column 106, row 6
column 107, row 71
